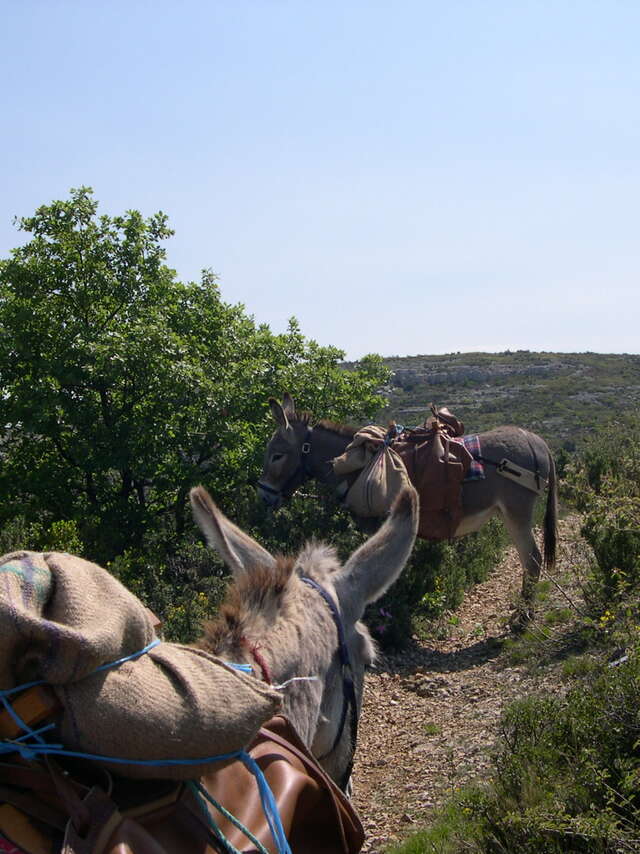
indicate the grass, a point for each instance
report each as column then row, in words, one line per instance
column 558, row 616
column 432, row 729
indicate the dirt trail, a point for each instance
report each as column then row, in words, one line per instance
column 431, row 715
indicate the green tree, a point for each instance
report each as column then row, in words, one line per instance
column 121, row 387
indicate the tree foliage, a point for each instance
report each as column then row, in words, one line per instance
column 121, row 387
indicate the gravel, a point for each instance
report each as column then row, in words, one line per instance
column 431, row 714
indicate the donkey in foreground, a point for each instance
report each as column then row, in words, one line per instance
column 300, row 450
column 300, row 617
column 294, row 622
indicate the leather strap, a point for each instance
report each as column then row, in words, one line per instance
column 27, row 777
column 79, row 813
column 34, row 807
column 302, row 472
column 102, row 819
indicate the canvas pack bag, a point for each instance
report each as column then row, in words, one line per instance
column 382, row 474
column 384, row 461
column 63, row 618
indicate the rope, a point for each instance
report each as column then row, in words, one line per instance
column 201, row 795
column 293, row 679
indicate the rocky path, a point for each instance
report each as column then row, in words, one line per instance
column 431, row 715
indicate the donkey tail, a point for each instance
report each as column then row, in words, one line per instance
column 551, row 518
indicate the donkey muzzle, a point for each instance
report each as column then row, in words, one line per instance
column 270, row 496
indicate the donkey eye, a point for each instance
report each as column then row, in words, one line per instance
column 276, row 457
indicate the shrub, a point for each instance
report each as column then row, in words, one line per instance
column 182, row 589
column 605, row 485
column 57, row 536
column 566, row 778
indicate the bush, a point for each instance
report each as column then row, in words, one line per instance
column 605, row 486
column 58, row 536
column 566, row 780
column 182, row 589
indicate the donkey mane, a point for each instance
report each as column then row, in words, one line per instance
column 345, row 430
column 302, row 417
column 257, row 592
column 305, row 418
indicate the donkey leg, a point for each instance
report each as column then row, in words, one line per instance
column 521, row 533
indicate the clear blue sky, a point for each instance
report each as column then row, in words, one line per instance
column 407, row 177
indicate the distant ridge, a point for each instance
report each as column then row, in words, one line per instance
column 562, row 396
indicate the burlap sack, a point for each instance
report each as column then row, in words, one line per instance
column 61, row 617
column 359, row 452
column 376, row 487
column 382, row 473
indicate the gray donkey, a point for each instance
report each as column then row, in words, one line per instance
column 300, row 450
column 300, row 617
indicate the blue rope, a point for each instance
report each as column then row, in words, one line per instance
column 42, row 748
column 131, row 657
column 19, row 722
column 8, row 692
column 269, row 805
column 244, row 668
column 201, row 795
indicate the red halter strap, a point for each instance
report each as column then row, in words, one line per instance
column 259, row 659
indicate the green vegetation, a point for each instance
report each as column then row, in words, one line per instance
column 566, row 777
column 121, row 387
column 605, row 486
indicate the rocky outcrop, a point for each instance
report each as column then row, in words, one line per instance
column 408, row 377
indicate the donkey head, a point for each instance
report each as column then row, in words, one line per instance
column 300, row 617
column 285, row 462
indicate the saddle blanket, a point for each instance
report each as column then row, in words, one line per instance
column 472, row 444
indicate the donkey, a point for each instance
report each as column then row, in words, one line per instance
column 300, row 450
column 294, row 618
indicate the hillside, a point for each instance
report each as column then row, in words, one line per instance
column 562, row 396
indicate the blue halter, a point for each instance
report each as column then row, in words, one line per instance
column 349, row 699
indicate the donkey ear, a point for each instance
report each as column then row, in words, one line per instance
column 236, row 548
column 278, row 413
column 288, row 405
column 374, row 567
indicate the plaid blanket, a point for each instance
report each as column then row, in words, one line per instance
column 472, row 444
column 7, row 847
